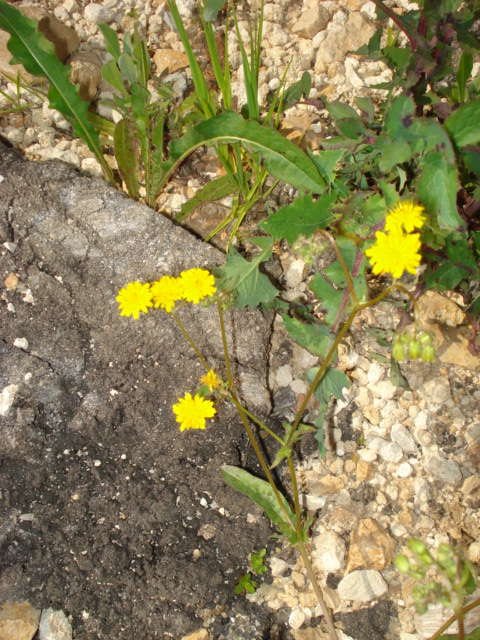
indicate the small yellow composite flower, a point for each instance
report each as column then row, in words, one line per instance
column 197, row 284
column 395, row 252
column 405, row 214
column 192, row 412
column 210, row 380
column 166, row 292
column 133, row 298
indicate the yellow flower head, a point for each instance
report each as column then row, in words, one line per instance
column 197, row 284
column 211, row 380
column 395, row 252
column 166, row 292
column 133, row 298
column 192, row 412
column 407, row 215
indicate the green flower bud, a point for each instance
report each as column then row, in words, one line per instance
column 398, row 351
column 402, row 563
column 424, row 338
column 414, row 349
column 420, row 550
column 428, row 353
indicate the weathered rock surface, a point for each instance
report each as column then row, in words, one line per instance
column 103, row 499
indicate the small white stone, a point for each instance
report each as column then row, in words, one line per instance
column 283, row 376
column 328, row 552
column 404, row 470
column 436, row 391
column 294, row 275
column 402, row 436
column 362, row 585
column 7, row 397
column 389, row 451
column 296, row 618
column 97, row 13
column 442, row 468
column 21, row 343
column 375, row 372
column 97, row 463
column 278, row 566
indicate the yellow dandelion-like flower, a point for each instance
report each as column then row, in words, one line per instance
column 395, row 252
column 406, row 214
column 166, row 292
column 197, row 284
column 192, row 412
column 133, row 298
column 211, row 380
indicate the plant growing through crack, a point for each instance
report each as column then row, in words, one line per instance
column 394, row 252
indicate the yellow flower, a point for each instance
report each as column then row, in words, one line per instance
column 192, row 412
column 395, row 252
column 133, row 298
column 211, row 380
column 197, row 284
column 166, row 292
column 406, row 214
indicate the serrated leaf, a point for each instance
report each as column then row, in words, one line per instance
column 331, row 384
column 262, row 494
column 242, row 277
column 463, row 126
column 326, row 162
column 282, row 453
column 437, row 188
column 30, row 48
column 301, row 218
column 314, row 337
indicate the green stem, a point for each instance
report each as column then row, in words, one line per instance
column 463, row 611
column 244, row 419
column 191, row 342
column 330, row 355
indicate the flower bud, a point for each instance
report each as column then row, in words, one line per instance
column 420, row 550
column 414, row 349
column 402, row 563
column 398, row 351
column 428, row 353
column 424, row 338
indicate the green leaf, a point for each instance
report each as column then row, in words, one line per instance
column 437, row 188
column 463, row 125
column 211, row 9
column 112, row 75
column 282, row 159
column 366, row 107
column 326, row 162
column 30, row 48
column 242, row 277
column 394, row 153
column 128, row 68
column 262, row 494
column 399, row 118
column 464, row 71
column 127, row 155
column 213, row 190
column 315, row 338
column 331, row 384
column 330, row 298
column 294, row 93
column 396, row 376
column 245, row 584
column 301, row 218
column 111, row 40
column 282, row 453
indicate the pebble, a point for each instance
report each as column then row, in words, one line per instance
column 436, row 391
column 97, row 13
column 54, row 625
column 389, row 451
column 362, row 585
column 328, row 552
column 442, row 468
column 402, row 436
